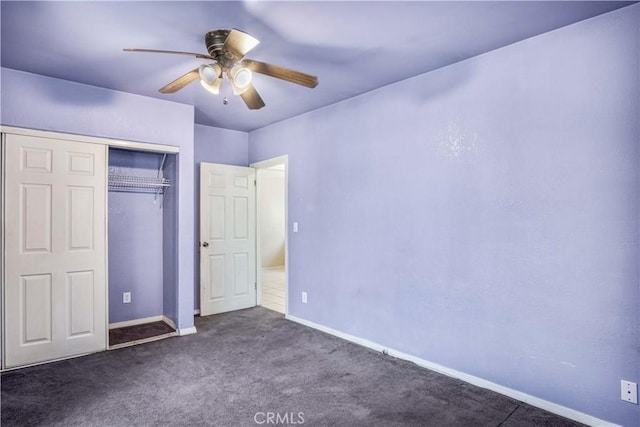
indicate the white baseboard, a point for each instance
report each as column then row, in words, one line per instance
column 187, row 331
column 142, row 321
column 142, row 341
column 136, row 322
column 515, row 394
column 169, row 322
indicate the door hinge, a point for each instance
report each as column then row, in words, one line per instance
column 255, row 181
column 255, row 285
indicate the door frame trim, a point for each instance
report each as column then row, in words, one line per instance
column 266, row 164
column 115, row 143
column 2, row 245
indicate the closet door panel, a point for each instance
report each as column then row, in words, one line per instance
column 80, row 287
column 34, row 218
column 35, row 305
column 80, row 218
column 81, row 163
column 36, row 159
column 55, row 249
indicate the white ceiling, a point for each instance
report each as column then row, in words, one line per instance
column 353, row 47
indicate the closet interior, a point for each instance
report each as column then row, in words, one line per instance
column 142, row 256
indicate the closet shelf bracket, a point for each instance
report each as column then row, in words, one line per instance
column 158, row 190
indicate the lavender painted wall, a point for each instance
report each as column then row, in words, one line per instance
column 484, row 216
column 135, row 241
column 39, row 102
column 214, row 145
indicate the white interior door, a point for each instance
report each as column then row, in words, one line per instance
column 227, row 238
column 55, row 249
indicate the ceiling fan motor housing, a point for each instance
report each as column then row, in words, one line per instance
column 214, row 41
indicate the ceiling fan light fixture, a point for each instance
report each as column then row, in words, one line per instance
column 209, row 73
column 241, row 77
column 214, row 88
column 210, row 77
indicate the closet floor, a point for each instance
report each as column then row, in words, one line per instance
column 138, row 334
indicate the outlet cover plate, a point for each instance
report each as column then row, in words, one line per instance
column 629, row 391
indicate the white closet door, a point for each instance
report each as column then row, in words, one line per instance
column 227, row 238
column 55, row 249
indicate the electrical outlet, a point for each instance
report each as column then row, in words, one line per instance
column 304, row 297
column 295, row 227
column 126, row 297
column 629, row 391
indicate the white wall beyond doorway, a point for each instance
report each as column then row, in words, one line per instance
column 272, row 218
column 272, row 254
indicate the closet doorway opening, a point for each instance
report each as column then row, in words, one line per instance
column 272, row 233
column 142, row 255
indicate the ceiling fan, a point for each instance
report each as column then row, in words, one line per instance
column 227, row 49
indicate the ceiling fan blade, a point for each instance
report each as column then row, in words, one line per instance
column 251, row 98
column 281, row 73
column 180, row 82
column 173, row 52
column 239, row 43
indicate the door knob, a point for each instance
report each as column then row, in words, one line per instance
column 205, row 244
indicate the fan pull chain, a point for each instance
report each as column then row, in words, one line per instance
column 225, row 100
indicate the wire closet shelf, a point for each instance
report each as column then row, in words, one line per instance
column 138, row 184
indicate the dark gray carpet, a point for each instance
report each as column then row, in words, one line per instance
column 246, row 363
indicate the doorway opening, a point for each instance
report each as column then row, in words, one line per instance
column 271, row 233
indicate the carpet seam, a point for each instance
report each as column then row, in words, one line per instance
column 509, row 416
